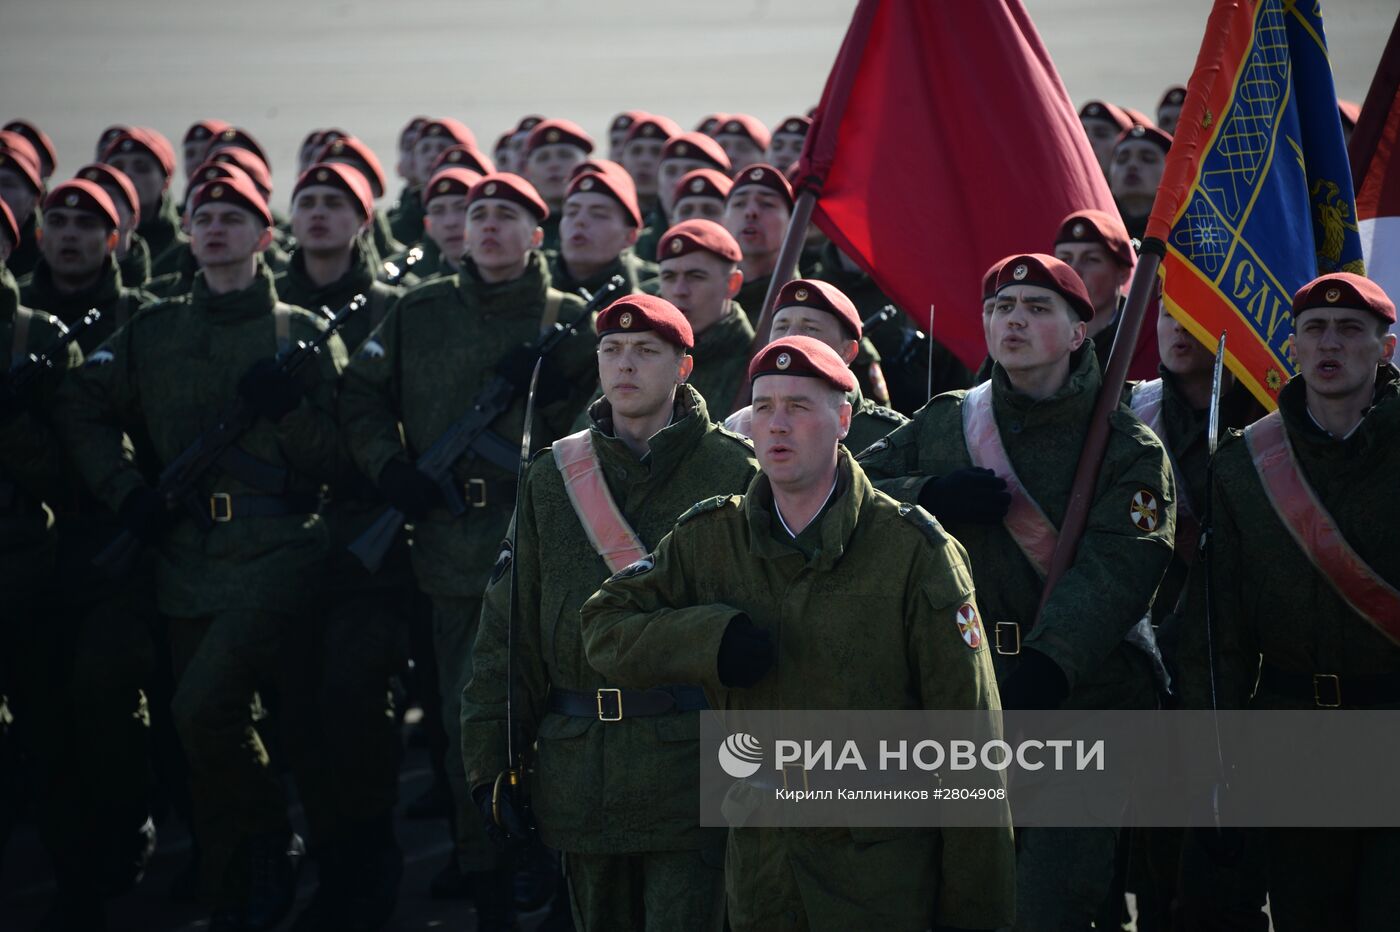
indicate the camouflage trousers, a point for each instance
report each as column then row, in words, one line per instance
column 652, row 891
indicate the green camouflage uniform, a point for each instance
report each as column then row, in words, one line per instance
column 163, row 236
column 618, row 798
column 117, row 302
column 636, row 273
column 862, row 608
column 135, row 266
column 406, row 217
column 654, row 226
column 721, row 355
column 183, row 268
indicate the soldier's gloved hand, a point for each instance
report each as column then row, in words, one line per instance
column 511, row 831
column 409, row 490
column 144, row 514
column 973, row 495
column 745, row 653
column 518, row 365
column 269, row 391
column 1036, row 683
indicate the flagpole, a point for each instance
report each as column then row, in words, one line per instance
column 783, row 273
column 1086, row 474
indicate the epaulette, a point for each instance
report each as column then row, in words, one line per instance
column 887, row 414
column 734, row 435
column 714, row 503
column 925, row 522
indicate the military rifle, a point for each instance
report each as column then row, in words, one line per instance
column 877, row 320
column 394, row 272
column 472, row 433
column 178, row 482
column 29, row 369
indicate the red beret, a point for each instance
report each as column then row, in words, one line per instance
column 105, row 138
column 18, row 153
column 212, row 171
column 807, row 292
column 764, row 176
column 450, row 180
column 1344, row 289
column 639, row 312
column 616, row 184
column 703, row 182
column 506, row 186
column 989, row 278
column 345, row 178
column 1349, row 111
column 448, row 128
column 1103, row 110
column 1044, row 271
column 794, row 125
column 1138, row 117
column 43, row 145
column 595, row 167
column 710, row 123
column 1137, row 133
column 354, row 152
column 1097, row 226
column 253, row 166
column 625, row 119
column 558, row 133
column 805, row 356
column 741, row 124
column 412, row 128
column 698, row 236
column 165, row 151
column 527, row 123
column 462, row 157
column 240, row 192
column 1174, row 96
column 696, row 146
column 204, row 130
column 106, row 177
column 502, row 140
column 137, row 141
column 8, row 228
column 240, row 139
column 652, row 126
column 86, row 196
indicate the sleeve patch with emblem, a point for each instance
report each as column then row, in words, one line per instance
column 1143, row 511
column 876, row 447
column 645, row 565
column 502, row 561
column 100, row 358
column 969, row 625
column 372, row 349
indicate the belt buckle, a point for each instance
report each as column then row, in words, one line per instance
column 1336, row 687
column 474, row 486
column 617, row 697
column 785, row 777
column 1016, row 630
column 226, row 514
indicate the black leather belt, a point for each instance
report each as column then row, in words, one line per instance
column 1331, row 690
column 613, row 705
column 224, row 507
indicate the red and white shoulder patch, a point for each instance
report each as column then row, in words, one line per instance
column 1143, row 511
column 969, row 625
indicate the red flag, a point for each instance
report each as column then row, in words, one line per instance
column 1375, row 170
column 944, row 141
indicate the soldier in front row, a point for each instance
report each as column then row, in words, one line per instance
column 995, row 464
column 738, row 600
column 614, row 785
column 1305, row 580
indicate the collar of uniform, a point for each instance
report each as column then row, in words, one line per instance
column 561, row 279
column 732, row 333
column 136, row 267
column 520, row 297
column 257, row 299
column 295, row 287
column 838, row 523
column 44, row 296
column 668, row 447
column 1378, row 426
column 1071, row 404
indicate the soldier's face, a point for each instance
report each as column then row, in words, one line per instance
column 639, row 371
column 17, row 194
column 700, row 285
column 742, row 151
column 1102, row 134
column 1136, row 170
column 1168, row 116
column 146, row 176
column 192, row 154
column 757, row 218
column 784, row 149
column 669, row 175
column 500, row 233
column 593, row 230
column 797, row 423
column 615, row 139
column 223, row 234
column 425, row 153
column 697, row 208
column 642, row 158
column 1181, row 353
column 447, row 224
column 548, row 167
column 75, row 242
column 1033, row 328
column 324, row 219
column 1338, row 349
column 1103, row 277
column 797, row 321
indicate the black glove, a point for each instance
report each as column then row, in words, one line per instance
column 144, row 514
column 1036, row 683
column 973, row 495
column 518, row 365
column 269, row 391
column 745, row 653
column 511, row 832
column 409, row 490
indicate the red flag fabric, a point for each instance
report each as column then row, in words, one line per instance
column 944, row 141
column 1375, row 169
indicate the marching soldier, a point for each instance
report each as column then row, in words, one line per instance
column 444, row 224
column 744, row 139
column 409, row 199
column 132, row 254
column 995, row 465
column 146, row 158
column 1103, row 122
column 1096, row 245
column 195, row 144
column 601, row 220
column 735, row 600
column 427, row 363
column 551, row 151
column 680, row 156
column 700, row 195
column 43, row 145
column 614, row 790
column 232, row 578
column 756, row 214
column 21, row 188
column 1135, row 173
column 433, row 138
column 785, row 146
column 641, row 155
column 617, row 131
column 347, row 150
column 1304, row 576
column 1169, row 108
